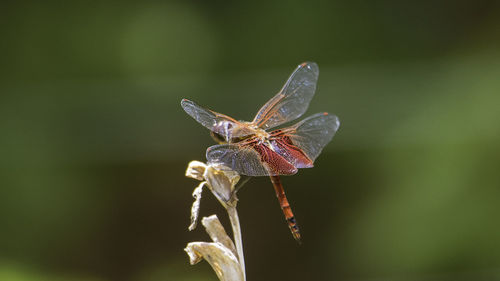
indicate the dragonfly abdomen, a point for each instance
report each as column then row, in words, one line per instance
column 285, row 206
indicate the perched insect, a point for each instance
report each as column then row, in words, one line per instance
column 249, row 148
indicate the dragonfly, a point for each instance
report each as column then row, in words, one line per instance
column 261, row 147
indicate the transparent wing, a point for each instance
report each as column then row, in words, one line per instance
column 284, row 146
column 250, row 161
column 293, row 99
column 216, row 122
column 309, row 137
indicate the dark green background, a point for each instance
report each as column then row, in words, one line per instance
column 94, row 143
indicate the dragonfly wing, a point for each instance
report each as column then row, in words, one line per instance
column 284, row 146
column 216, row 122
column 293, row 99
column 308, row 137
column 249, row 160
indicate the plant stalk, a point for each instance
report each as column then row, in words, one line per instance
column 235, row 224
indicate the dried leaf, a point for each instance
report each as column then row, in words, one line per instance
column 223, row 261
column 216, row 231
column 221, row 182
column 195, row 170
column 195, row 209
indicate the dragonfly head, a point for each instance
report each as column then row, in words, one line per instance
column 222, row 131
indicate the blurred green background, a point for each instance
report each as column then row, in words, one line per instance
column 94, row 143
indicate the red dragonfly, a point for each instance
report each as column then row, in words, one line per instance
column 249, row 148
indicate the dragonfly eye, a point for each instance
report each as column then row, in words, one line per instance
column 228, row 126
column 223, row 129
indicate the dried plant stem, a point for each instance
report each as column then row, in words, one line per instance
column 223, row 254
column 235, row 224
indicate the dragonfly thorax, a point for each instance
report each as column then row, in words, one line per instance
column 262, row 135
column 258, row 132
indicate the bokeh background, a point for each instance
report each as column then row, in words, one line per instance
column 94, row 143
